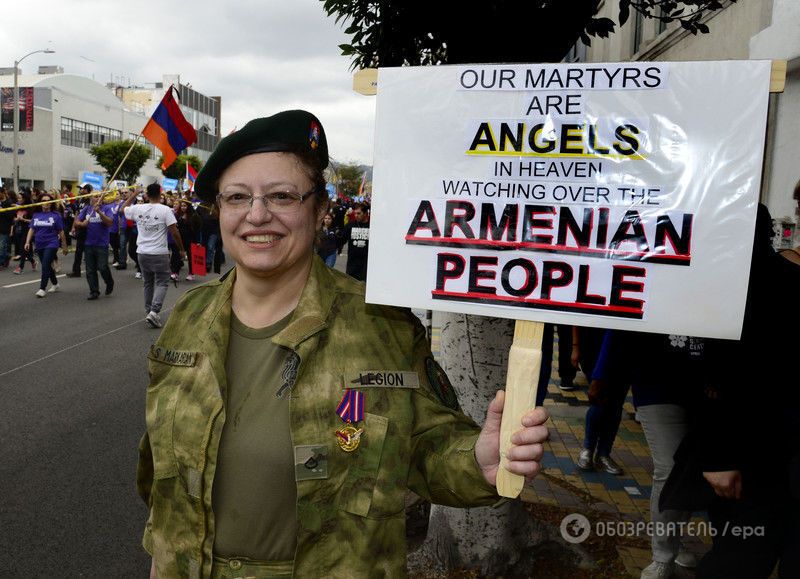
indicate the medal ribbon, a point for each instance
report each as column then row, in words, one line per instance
column 351, row 408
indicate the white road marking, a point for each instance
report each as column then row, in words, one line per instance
column 73, row 346
column 32, row 281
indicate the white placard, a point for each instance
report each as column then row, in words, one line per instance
column 610, row 195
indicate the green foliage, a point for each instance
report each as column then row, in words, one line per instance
column 110, row 154
column 178, row 168
column 348, row 178
column 417, row 32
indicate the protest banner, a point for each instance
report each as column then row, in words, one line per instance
column 617, row 195
column 608, row 195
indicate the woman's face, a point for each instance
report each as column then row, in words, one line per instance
column 258, row 240
column 327, row 221
column 46, row 207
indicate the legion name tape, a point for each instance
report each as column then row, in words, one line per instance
column 387, row 379
column 172, row 357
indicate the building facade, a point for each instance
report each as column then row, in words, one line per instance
column 70, row 114
column 748, row 29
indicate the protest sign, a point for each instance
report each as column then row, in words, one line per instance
column 611, row 195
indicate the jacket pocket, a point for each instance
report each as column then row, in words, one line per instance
column 364, row 493
column 161, row 401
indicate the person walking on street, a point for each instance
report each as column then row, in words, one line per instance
column 97, row 220
column 153, row 220
column 79, row 233
column 21, row 226
column 48, row 229
column 327, row 242
column 6, row 226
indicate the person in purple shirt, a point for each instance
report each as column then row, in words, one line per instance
column 47, row 229
column 97, row 218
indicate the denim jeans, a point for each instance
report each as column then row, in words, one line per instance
column 155, row 275
column 211, row 248
column 97, row 260
column 330, row 261
column 46, row 257
column 602, row 420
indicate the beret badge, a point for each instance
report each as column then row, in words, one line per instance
column 313, row 135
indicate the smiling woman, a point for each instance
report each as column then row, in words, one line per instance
column 286, row 418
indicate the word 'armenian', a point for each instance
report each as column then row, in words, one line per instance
column 603, row 232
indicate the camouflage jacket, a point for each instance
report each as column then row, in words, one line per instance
column 352, row 522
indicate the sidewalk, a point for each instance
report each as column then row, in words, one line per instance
column 599, row 496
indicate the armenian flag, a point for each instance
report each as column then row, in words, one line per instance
column 191, row 176
column 168, row 129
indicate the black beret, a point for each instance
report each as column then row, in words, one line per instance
column 285, row 131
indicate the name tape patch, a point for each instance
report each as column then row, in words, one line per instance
column 173, row 357
column 386, row 379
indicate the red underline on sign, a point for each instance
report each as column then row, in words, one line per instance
column 614, row 311
column 621, row 254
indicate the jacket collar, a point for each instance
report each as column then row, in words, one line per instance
column 312, row 311
column 310, row 315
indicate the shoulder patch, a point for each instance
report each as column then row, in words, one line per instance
column 440, row 384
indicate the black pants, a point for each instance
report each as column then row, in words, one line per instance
column 775, row 523
column 113, row 239
column 80, row 242
column 97, row 261
column 566, row 371
column 132, row 236
column 175, row 261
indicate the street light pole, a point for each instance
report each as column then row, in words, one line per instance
column 15, row 115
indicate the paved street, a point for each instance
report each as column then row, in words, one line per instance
column 73, row 379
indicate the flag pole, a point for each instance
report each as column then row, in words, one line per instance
column 135, row 140
column 125, row 158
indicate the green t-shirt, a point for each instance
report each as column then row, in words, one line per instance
column 254, row 491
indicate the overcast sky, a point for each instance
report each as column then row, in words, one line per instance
column 260, row 56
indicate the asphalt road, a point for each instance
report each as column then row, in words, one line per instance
column 72, row 380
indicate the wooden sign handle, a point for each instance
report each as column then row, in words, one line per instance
column 522, row 382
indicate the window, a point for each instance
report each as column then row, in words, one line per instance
column 80, row 134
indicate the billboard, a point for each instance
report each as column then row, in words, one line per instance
column 25, row 108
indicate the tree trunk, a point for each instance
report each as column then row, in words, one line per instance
column 491, row 541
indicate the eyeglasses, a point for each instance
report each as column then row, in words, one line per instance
column 275, row 202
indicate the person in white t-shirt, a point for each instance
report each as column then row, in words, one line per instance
column 153, row 220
